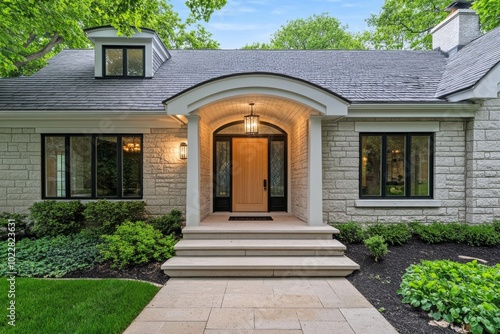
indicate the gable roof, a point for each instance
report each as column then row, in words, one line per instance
column 470, row 64
column 68, row 83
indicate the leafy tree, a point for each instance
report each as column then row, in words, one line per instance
column 31, row 31
column 405, row 24
column 316, row 32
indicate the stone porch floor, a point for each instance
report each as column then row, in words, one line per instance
column 259, row 306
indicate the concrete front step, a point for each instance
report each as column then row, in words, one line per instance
column 255, row 266
column 259, row 231
column 259, row 247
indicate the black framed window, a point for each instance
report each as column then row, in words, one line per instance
column 91, row 166
column 123, row 61
column 396, row 165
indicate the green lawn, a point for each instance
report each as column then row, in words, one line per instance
column 74, row 306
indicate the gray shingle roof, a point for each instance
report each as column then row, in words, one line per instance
column 470, row 64
column 68, row 82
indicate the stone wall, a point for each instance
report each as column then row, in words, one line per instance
column 205, row 170
column 20, row 181
column 341, row 175
column 299, row 168
column 164, row 173
column 483, row 164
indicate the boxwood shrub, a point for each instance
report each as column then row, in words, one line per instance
column 169, row 223
column 105, row 216
column 53, row 218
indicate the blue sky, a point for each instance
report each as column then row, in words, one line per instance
column 243, row 22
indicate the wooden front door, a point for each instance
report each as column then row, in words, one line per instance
column 249, row 171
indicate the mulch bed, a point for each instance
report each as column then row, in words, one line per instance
column 377, row 281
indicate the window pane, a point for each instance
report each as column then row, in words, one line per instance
column 80, row 155
column 371, row 165
column 114, row 62
column 135, row 62
column 395, row 181
column 420, row 157
column 277, row 169
column 131, row 164
column 222, row 169
column 107, row 165
column 55, row 167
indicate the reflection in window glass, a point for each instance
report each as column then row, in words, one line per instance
column 55, row 167
column 371, row 165
column 131, row 166
column 135, row 62
column 395, row 176
column 107, row 166
column 222, row 169
column 80, row 154
column 277, row 167
column 114, row 62
column 420, row 149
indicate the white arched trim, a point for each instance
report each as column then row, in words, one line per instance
column 265, row 84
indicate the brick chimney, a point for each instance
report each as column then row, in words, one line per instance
column 457, row 30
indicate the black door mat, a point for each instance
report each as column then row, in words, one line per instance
column 253, row 218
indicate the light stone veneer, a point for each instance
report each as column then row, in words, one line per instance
column 20, row 184
column 341, row 175
column 299, row 168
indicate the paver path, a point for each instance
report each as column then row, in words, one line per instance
column 259, row 305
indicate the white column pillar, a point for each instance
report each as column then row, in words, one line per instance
column 315, row 172
column 193, row 172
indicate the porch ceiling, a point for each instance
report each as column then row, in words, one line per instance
column 272, row 109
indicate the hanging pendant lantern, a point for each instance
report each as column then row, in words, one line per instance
column 252, row 122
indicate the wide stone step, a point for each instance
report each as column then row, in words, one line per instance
column 259, row 231
column 259, row 247
column 256, row 266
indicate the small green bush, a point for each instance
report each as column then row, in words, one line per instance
column 350, row 233
column 22, row 224
column 377, row 246
column 104, row 216
column 472, row 235
column 51, row 257
column 481, row 235
column 169, row 223
column 393, row 234
column 464, row 294
column 53, row 218
column 136, row 243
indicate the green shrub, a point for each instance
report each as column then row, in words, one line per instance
column 52, row 218
column 104, row 216
column 22, row 224
column 496, row 225
column 464, row 294
column 481, row 235
column 393, row 234
column 169, row 223
column 377, row 246
column 51, row 257
column 136, row 243
column 350, row 233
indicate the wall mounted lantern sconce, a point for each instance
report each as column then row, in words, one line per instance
column 183, row 151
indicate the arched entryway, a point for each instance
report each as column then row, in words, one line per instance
column 250, row 171
column 295, row 106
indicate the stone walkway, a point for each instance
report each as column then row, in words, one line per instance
column 259, row 306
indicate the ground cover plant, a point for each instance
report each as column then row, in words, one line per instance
column 76, row 306
column 465, row 294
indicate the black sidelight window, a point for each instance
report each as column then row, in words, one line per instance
column 123, row 61
column 396, row 165
column 91, row 166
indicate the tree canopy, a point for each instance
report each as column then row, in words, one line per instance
column 31, row 31
column 403, row 24
column 316, row 32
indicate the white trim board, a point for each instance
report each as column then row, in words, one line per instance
column 396, row 126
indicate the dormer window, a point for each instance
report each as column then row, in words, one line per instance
column 126, row 61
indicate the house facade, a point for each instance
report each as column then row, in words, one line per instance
column 368, row 136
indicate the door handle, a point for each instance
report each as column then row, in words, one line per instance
column 265, row 185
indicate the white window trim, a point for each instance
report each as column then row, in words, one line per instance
column 397, row 203
column 396, row 126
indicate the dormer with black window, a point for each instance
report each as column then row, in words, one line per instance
column 138, row 56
